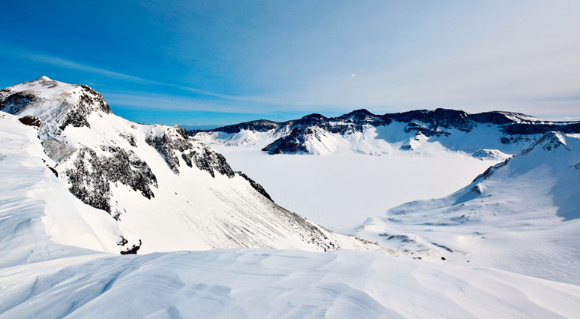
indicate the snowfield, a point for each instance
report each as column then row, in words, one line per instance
column 342, row 190
column 79, row 185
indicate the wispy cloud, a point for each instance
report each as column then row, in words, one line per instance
column 23, row 53
column 263, row 56
column 147, row 100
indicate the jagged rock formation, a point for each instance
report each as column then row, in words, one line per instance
column 364, row 132
column 172, row 141
column 163, row 189
column 91, row 176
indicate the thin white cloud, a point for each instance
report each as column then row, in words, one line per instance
column 147, row 100
column 18, row 52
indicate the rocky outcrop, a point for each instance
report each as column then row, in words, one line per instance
column 91, row 176
column 291, row 143
column 53, row 105
column 173, row 143
column 255, row 185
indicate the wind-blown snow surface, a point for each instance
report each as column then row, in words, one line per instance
column 275, row 284
column 37, row 211
column 342, row 190
column 522, row 215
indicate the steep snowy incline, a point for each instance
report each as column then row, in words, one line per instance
column 490, row 134
column 165, row 190
column 37, row 211
column 522, row 215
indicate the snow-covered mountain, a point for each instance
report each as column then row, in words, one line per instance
column 77, row 181
column 521, row 215
column 490, row 134
column 98, row 181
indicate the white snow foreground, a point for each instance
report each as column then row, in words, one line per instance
column 162, row 190
column 522, row 215
column 260, row 283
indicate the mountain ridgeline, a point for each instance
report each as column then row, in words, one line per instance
column 161, row 189
column 317, row 134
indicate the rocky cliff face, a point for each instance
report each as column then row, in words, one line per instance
column 164, row 189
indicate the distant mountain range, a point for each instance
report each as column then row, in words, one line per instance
column 361, row 131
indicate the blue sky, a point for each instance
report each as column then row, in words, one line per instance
column 221, row 62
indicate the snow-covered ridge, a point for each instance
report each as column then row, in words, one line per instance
column 521, row 215
column 495, row 134
column 162, row 190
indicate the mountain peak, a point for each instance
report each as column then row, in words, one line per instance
column 313, row 116
column 550, row 141
column 52, row 104
column 360, row 113
column 42, row 78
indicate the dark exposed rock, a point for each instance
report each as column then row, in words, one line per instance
column 256, row 126
column 14, row 103
column 89, row 101
column 439, row 118
column 30, row 120
column 54, row 171
column 175, row 140
column 541, row 128
column 255, row 185
column 166, row 146
column 91, row 175
column 133, row 250
column 477, row 189
column 122, row 241
column 130, row 138
column 212, row 162
column 291, row 143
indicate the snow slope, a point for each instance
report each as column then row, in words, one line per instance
column 522, row 215
column 163, row 191
column 37, row 211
